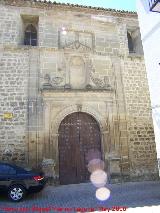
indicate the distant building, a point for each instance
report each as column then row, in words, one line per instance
column 73, row 80
column 149, row 19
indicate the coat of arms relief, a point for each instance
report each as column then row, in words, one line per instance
column 76, row 40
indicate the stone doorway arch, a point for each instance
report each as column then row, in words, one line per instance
column 67, row 110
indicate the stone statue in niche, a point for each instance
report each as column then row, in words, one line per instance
column 75, row 40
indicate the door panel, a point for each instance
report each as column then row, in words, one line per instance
column 78, row 134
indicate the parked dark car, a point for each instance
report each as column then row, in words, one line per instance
column 18, row 182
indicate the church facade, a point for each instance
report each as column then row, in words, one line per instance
column 73, row 79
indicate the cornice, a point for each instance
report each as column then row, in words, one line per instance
column 49, row 5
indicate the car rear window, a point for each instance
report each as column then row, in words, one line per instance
column 7, row 170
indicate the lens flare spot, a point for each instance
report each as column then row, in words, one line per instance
column 93, row 154
column 64, row 32
column 63, row 28
column 95, row 164
column 98, row 178
column 102, row 194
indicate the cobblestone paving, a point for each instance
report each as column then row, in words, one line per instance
column 82, row 196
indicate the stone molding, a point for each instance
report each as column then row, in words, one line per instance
column 75, row 108
column 6, row 47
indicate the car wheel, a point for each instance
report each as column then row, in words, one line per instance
column 16, row 193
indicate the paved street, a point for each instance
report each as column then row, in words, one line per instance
column 137, row 197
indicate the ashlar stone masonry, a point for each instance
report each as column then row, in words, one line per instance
column 80, row 63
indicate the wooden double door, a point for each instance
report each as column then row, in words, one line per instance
column 78, row 134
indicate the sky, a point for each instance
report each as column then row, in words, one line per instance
column 129, row 5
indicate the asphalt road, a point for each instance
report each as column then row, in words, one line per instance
column 127, row 197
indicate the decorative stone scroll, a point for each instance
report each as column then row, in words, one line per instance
column 100, row 83
column 51, row 82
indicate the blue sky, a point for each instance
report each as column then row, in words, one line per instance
column 129, row 5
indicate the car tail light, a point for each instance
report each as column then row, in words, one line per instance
column 38, row 178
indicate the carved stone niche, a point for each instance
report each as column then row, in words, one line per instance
column 77, row 72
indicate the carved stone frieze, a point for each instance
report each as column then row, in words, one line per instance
column 76, row 72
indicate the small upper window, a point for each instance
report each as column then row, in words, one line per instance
column 134, row 41
column 30, row 37
column 130, row 43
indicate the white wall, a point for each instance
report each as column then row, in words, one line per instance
column 150, row 34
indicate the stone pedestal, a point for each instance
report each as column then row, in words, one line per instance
column 48, row 167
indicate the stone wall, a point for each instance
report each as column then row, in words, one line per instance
column 13, row 98
column 136, row 87
column 140, row 126
column 9, row 26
